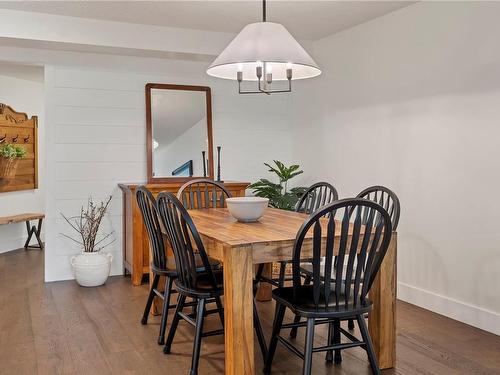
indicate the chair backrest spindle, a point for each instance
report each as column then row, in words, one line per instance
column 203, row 193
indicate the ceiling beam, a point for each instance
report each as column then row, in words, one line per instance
column 73, row 33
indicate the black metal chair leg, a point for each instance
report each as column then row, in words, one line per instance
column 278, row 321
column 350, row 324
column 336, row 340
column 151, row 297
column 197, row 339
column 164, row 313
column 220, row 307
column 293, row 331
column 281, row 280
column 260, row 270
column 259, row 332
column 368, row 344
column 308, row 347
column 329, row 353
column 175, row 323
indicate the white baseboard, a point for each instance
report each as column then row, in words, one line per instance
column 461, row 311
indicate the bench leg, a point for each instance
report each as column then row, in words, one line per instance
column 34, row 230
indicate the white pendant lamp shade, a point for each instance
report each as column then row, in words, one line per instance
column 268, row 45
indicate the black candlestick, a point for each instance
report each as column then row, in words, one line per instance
column 218, row 162
column 204, row 165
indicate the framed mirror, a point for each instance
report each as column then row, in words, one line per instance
column 179, row 129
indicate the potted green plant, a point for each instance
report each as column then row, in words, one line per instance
column 280, row 196
column 10, row 154
column 91, row 266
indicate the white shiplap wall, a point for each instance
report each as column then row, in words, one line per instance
column 96, row 139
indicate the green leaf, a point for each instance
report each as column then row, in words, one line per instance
column 12, row 151
column 275, row 192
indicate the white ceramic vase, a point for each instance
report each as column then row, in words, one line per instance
column 91, row 269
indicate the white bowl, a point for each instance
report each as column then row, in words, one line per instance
column 247, row 209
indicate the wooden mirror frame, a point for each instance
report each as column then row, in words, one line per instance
column 149, row 131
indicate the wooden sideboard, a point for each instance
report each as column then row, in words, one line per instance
column 135, row 240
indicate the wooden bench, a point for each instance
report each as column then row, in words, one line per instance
column 32, row 230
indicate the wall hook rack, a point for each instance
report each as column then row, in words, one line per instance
column 17, row 128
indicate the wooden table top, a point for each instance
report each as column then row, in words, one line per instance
column 275, row 226
column 20, row 218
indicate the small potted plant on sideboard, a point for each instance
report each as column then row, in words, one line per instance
column 92, row 265
column 10, row 154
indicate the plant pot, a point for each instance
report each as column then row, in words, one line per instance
column 91, row 269
column 8, row 168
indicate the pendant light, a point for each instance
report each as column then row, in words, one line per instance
column 264, row 52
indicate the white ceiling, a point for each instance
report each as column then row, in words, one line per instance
column 309, row 20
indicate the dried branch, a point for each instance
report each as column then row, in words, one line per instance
column 87, row 225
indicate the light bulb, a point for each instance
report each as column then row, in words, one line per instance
column 240, row 67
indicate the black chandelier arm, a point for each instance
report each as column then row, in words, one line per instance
column 262, row 91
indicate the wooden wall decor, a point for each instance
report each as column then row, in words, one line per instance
column 17, row 128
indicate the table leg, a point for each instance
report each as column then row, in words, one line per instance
column 265, row 289
column 238, row 310
column 30, row 234
column 382, row 319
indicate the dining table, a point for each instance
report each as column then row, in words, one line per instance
column 241, row 246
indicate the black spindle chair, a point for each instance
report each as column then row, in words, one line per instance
column 203, row 193
column 316, row 196
column 184, row 238
column 387, row 199
column 161, row 265
column 359, row 238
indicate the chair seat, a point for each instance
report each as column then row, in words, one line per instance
column 204, row 287
column 203, row 282
column 171, row 270
column 304, row 305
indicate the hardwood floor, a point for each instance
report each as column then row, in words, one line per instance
column 60, row 328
